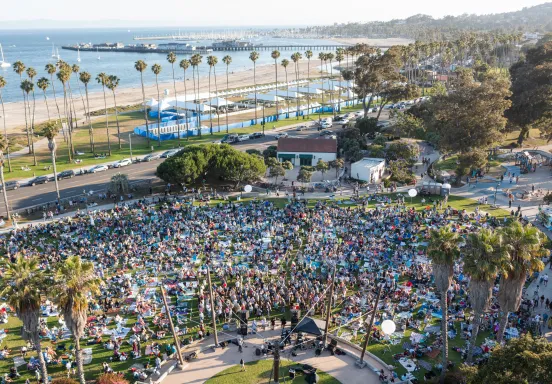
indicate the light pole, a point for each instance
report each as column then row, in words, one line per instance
column 496, row 191
column 361, row 363
column 130, row 144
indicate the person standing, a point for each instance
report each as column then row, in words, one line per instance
column 242, row 364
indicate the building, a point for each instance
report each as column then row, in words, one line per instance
column 368, row 169
column 306, row 151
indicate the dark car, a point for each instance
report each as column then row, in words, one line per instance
column 68, row 174
column 39, row 180
column 10, row 185
column 256, row 135
column 153, row 156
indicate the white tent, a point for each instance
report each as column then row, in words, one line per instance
column 190, row 106
column 263, row 97
column 311, row 91
column 283, row 93
column 219, row 102
column 154, row 105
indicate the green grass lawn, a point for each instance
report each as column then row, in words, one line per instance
column 260, row 372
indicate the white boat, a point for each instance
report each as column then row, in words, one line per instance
column 98, row 51
column 78, row 55
column 3, row 63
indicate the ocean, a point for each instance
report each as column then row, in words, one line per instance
column 34, row 49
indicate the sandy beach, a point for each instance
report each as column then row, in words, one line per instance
column 373, row 42
column 15, row 117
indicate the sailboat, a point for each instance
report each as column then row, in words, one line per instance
column 78, row 55
column 98, row 51
column 3, row 63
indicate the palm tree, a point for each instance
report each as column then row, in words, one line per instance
column 43, row 83
column 339, row 59
column 171, row 58
column 296, row 57
column 103, row 79
column 75, row 281
column 216, row 92
column 76, row 70
column 27, row 86
column 211, row 61
column 156, row 69
column 524, row 247
column 254, row 56
column 184, row 64
column 19, row 68
column 195, row 60
column 285, row 64
column 31, row 73
column 64, row 75
column 443, row 250
column 330, row 56
column 484, row 259
column 3, row 148
column 112, row 84
column 308, row 55
column 141, row 66
column 276, row 55
column 21, row 285
column 227, row 60
column 322, row 57
column 51, row 69
column 85, row 78
column 50, row 132
column 2, row 85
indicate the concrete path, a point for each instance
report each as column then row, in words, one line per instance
column 542, row 290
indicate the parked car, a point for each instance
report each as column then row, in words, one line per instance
column 344, row 121
column 229, row 139
column 326, row 124
column 153, row 156
column 301, row 128
column 169, row 153
column 39, row 180
column 331, row 137
column 98, row 168
column 325, row 133
column 10, row 185
column 122, row 163
column 243, row 137
column 256, row 135
column 281, row 135
column 68, row 174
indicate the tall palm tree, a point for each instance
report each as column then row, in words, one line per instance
column 75, row 281
column 28, row 86
column 296, row 57
column 19, row 68
column 211, row 61
column 227, row 60
column 76, row 70
column 484, row 259
column 171, row 58
column 184, row 64
column 322, row 57
column 285, row 64
column 31, row 73
column 141, row 66
column 50, row 131
column 330, row 56
column 51, row 69
column 43, row 83
column 524, row 247
column 22, row 283
column 195, row 60
column 308, row 55
column 112, row 84
column 85, row 78
column 103, row 79
column 216, row 92
column 2, row 85
column 339, row 59
column 3, row 149
column 276, row 55
column 64, row 75
column 443, row 250
column 254, row 56
column 156, row 69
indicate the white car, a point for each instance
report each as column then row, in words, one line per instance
column 243, row 137
column 359, row 113
column 325, row 124
column 344, row 121
column 122, row 163
column 281, row 135
column 98, row 168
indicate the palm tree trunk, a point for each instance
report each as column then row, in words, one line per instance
column 158, row 113
column 145, row 108
column 227, row 99
column 197, row 106
column 5, row 131
column 210, row 109
column 176, row 105
column 297, row 84
column 5, row 192
column 444, row 330
column 73, row 115
column 255, row 85
column 82, row 98
column 107, row 123
column 55, row 98
column 67, row 122
column 41, row 361
column 277, row 109
column 78, row 359
column 46, row 102
column 185, row 111
column 90, row 129
column 26, row 122
column 476, row 324
column 53, row 155
column 308, row 88
column 287, row 95
column 502, row 326
column 32, row 130
column 216, row 91
column 117, row 119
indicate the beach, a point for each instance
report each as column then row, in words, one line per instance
column 373, row 42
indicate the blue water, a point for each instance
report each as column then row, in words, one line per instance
column 35, row 50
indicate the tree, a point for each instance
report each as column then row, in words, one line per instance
column 308, row 55
column 521, row 360
column 322, row 167
column 103, row 79
column 367, row 126
column 276, row 55
column 28, row 86
column 285, row 63
column 276, row 171
column 337, row 164
column 118, row 185
column 156, row 69
column 64, row 76
column 377, row 150
column 270, row 151
column 74, row 281
column 51, row 69
column 295, row 58
column 322, row 58
column 184, row 64
column 403, row 150
column 254, row 56
column 43, row 83
column 211, row 61
column 21, row 284
column 171, row 58
column 408, row 125
column 111, row 378
column 76, row 71
column 85, row 78
column 524, row 248
column 304, row 175
column 19, row 68
column 50, row 131
column 227, row 60
column 238, row 167
column 195, row 60
column 443, row 250
column 141, row 66
column 484, row 259
column 288, row 166
column 2, row 85
column 3, row 149
column 112, row 84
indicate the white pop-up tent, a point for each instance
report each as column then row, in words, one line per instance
column 190, row 106
column 311, row 91
column 263, row 97
column 219, row 102
column 290, row 94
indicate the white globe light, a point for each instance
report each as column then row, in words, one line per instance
column 388, row 327
column 412, row 192
column 247, row 188
column 446, row 186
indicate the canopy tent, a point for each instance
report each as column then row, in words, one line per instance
column 263, row 97
column 190, row 106
column 219, row 102
column 327, row 87
column 284, row 93
column 310, row 326
column 154, row 105
column 312, row 91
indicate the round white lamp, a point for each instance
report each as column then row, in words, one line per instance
column 446, row 186
column 247, row 188
column 412, row 193
column 388, row 327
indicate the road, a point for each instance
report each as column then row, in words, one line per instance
column 29, row 196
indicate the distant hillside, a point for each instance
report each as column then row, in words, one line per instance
column 532, row 19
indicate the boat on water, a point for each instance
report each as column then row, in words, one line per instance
column 78, row 56
column 3, row 62
column 54, row 56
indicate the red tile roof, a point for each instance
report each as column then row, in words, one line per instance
column 307, row 145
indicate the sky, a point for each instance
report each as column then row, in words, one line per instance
column 132, row 13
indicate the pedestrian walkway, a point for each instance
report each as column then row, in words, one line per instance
column 542, row 290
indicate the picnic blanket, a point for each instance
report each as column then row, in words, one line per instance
column 19, row 361
column 408, row 364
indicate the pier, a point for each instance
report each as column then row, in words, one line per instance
column 181, row 51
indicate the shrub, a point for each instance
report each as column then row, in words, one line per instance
column 64, row 380
column 111, row 378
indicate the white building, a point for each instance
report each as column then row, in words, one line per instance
column 306, row 151
column 368, row 169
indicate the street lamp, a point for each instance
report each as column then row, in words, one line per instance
column 496, row 191
column 130, row 144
